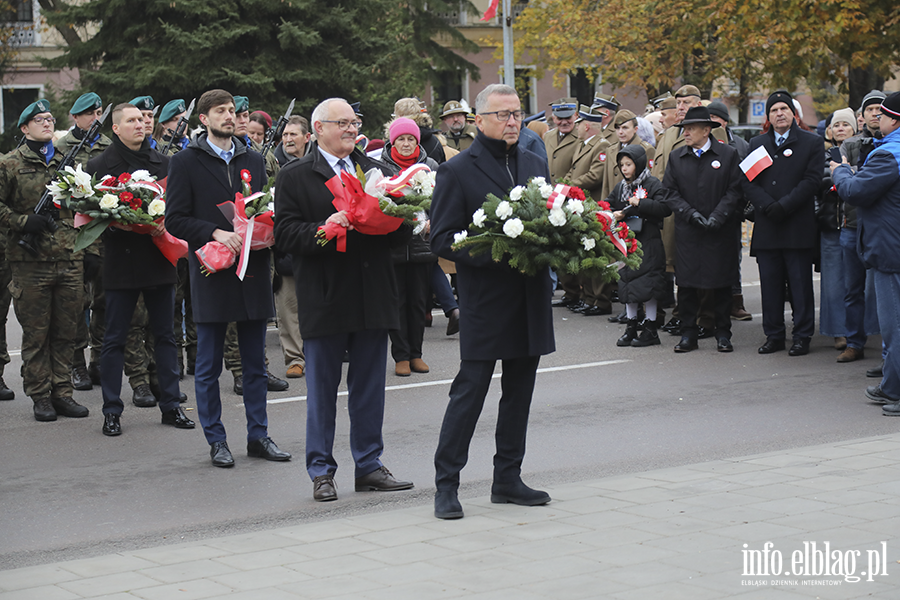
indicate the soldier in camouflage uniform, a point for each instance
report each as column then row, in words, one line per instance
column 47, row 287
column 87, row 109
column 5, row 299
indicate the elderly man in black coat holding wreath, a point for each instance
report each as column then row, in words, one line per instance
column 703, row 189
column 202, row 176
column 504, row 314
column 134, row 266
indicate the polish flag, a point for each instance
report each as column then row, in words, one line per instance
column 491, row 11
column 558, row 196
column 756, row 162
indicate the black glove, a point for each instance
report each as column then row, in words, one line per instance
column 92, row 264
column 698, row 220
column 713, row 224
column 776, row 212
column 37, row 224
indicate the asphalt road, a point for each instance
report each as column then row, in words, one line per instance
column 67, row 492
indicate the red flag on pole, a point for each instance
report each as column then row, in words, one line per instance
column 491, row 11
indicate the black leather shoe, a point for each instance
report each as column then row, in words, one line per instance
column 324, row 489
column 266, row 448
column 43, row 410
column 564, row 301
column 447, row 506
column 275, row 384
column 381, row 480
column 143, row 397
column 453, row 323
column 771, row 346
column 517, row 493
column 111, row 425
column 686, row 344
column 620, row 318
column 876, row 394
column 94, row 373
column 724, row 345
column 595, row 311
column 704, row 332
column 177, row 418
column 800, row 347
column 221, row 455
column 5, row 392
column 182, row 397
column 81, row 381
column 873, row 372
column 673, row 327
column 891, row 410
column 578, row 307
column 67, row 407
column 239, row 385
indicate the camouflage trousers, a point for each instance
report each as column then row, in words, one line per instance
column 140, row 366
column 5, row 298
column 48, row 299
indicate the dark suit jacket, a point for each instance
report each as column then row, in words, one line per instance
column 198, row 182
column 793, row 181
column 503, row 313
column 337, row 292
column 131, row 260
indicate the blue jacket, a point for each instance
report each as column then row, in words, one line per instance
column 875, row 191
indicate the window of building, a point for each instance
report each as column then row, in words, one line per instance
column 14, row 100
column 18, row 11
column 449, row 86
column 525, row 86
column 582, row 87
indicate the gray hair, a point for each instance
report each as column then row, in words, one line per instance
column 495, row 88
column 322, row 111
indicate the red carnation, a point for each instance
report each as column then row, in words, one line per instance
column 632, row 246
column 604, row 205
column 623, row 232
column 124, row 177
column 576, row 193
column 245, row 175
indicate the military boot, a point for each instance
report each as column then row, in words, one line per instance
column 648, row 337
column 80, row 379
column 43, row 409
column 630, row 333
column 5, row 392
column 67, row 407
column 191, row 359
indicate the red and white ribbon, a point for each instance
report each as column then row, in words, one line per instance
column 397, row 183
column 558, row 196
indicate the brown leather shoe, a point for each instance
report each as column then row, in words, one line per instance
column 850, row 354
column 381, row 480
column 295, row 371
column 324, row 488
column 840, row 343
column 402, row 368
column 738, row 312
column 418, row 365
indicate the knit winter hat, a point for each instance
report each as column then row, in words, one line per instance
column 401, row 126
column 780, row 96
column 846, row 115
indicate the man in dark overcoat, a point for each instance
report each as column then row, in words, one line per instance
column 784, row 231
column 346, row 302
column 202, row 176
column 504, row 314
column 135, row 267
column 703, row 189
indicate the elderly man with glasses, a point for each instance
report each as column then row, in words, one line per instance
column 346, row 303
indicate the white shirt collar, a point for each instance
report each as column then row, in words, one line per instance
column 334, row 160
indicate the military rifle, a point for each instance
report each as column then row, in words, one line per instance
column 45, row 205
column 275, row 132
column 180, row 128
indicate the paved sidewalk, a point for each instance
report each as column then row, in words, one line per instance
column 669, row 534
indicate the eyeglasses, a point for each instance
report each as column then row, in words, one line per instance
column 40, row 120
column 345, row 125
column 504, row 115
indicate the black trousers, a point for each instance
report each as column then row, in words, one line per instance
column 794, row 267
column 413, row 284
column 689, row 307
column 467, row 395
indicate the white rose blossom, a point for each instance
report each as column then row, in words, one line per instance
column 589, row 243
column 108, row 202
column 478, row 217
column 513, row 228
column 557, row 217
column 576, row 207
column 539, row 181
column 156, row 208
column 515, row 194
column 546, row 190
column 459, row 237
column 504, row 210
column 141, row 175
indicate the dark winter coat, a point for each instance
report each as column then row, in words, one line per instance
column 199, row 180
column 132, row 260
column 793, row 181
column 503, row 313
column 856, row 149
column 418, row 249
column 337, row 292
column 710, row 185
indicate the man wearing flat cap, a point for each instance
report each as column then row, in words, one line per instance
column 784, row 232
column 47, row 285
column 169, row 116
column 459, row 133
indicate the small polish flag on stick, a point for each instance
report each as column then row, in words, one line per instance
column 756, row 162
column 491, row 11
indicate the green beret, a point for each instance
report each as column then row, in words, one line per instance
column 172, row 108
column 35, row 108
column 86, row 102
column 241, row 104
column 144, row 102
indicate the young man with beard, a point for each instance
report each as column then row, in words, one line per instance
column 202, row 176
column 135, row 267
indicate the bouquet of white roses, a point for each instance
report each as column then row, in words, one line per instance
column 539, row 226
